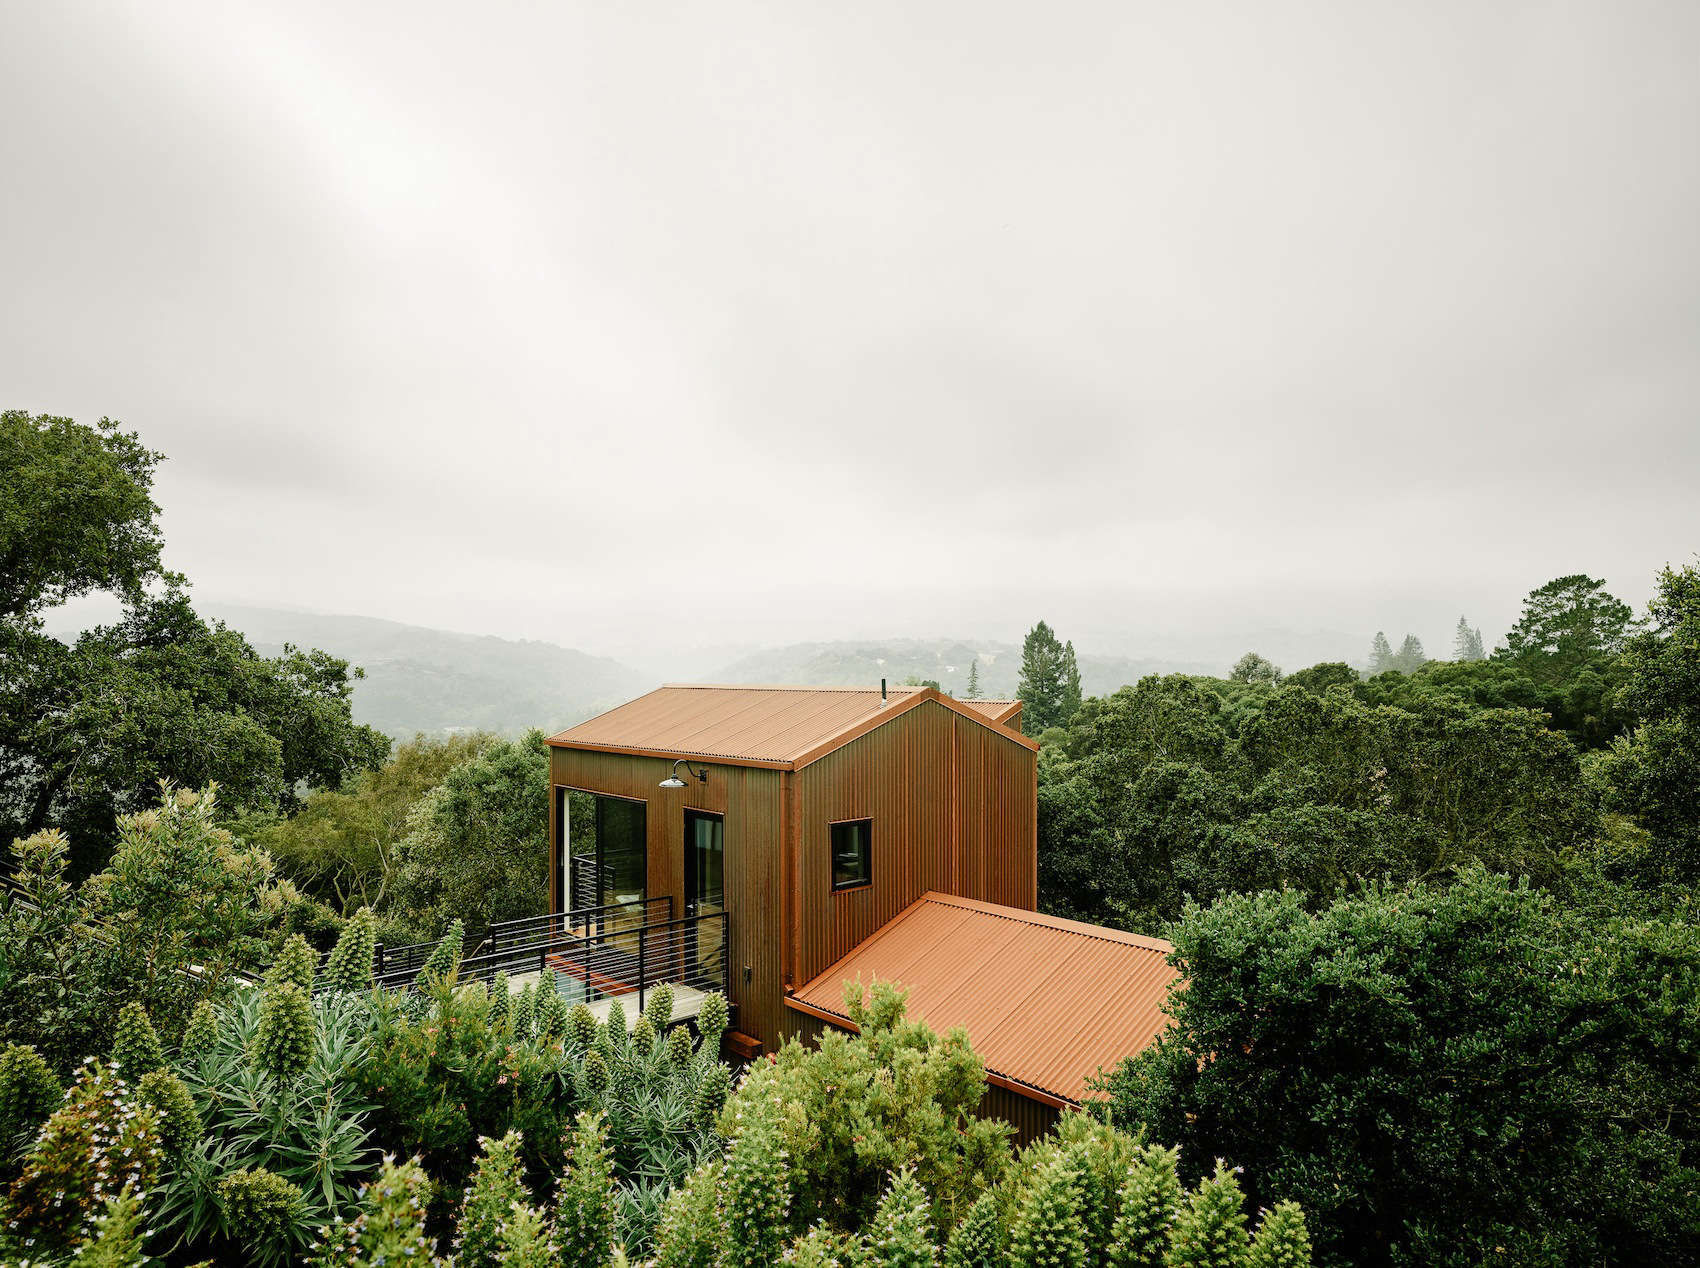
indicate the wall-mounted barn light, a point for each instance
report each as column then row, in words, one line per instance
column 673, row 780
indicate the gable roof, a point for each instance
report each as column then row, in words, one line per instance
column 1046, row 1002
column 780, row 727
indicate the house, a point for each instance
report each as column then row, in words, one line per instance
column 776, row 842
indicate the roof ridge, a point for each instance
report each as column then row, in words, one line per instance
column 1043, row 920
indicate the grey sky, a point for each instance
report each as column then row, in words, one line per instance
column 633, row 325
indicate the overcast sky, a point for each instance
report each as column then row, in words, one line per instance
column 633, row 325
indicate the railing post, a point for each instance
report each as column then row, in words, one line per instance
column 642, row 930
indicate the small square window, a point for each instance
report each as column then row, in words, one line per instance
column 852, row 853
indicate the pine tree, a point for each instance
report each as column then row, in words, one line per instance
column 1209, row 1231
column 977, row 1240
column 1466, row 642
column 1043, row 684
column 1071, row 697
column 755, row 1198
column 295, row 963
column 445, row 956
column 136, row 1049
column 349, row 965
column 900, row 1236
column 201, row 1035
column 584, row 1211
column 29, row 1092
column 1380, row 654
column 174, row 1110
column 498, row 1183
column 1049, row 1232
column 1410, row 656
column 283, row 1044
column 1282, row 1240
column 973, row 692
column 1150, row 1199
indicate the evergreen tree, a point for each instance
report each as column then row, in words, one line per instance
column 1150, row 1200
column 1071, row 697
column 973, row 692
column 136, row 1048
column 349, row 966
column 498, row 1186
column 1570, row 621
column 754, row 1198
column 1254, row 669
column 977, row 1240
column 1410, row 656
column 1380, row 654
column 1043, row 685
column 1049, row 1231
column 1467, row 642
column 1282, row 1240
column 1209, row 1231
column 900, row 1236
column 201, row 1035
column 584, row 1212
column 283, row 1044
column 295, row 963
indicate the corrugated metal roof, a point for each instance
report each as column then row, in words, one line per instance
column 764, row 725
column 1046, row 1002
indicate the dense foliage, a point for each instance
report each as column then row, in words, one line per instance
column 1436, row 1072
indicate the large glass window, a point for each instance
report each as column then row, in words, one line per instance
column 622, row 850
column 852, row 853
column 705, row 856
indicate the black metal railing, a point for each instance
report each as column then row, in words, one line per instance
column 613, row 949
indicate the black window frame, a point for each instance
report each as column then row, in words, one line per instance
column 867, row 878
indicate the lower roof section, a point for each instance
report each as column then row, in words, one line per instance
column 1046, row 1002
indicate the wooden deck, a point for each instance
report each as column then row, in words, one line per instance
column 687, row 1000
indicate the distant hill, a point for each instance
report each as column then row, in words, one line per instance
column 945, row 661
column 420, row 679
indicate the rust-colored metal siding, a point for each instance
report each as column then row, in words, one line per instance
column 749, row 800
column 952, row 804
column 1047, row 1003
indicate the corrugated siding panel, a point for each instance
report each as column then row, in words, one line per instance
column 749, row 800
column 1045, row 1002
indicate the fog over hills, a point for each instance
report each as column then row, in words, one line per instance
column 420, row 679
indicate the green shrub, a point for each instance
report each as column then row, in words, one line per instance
column 390, row 1228
column 117, row 1238
column 201, row 1034
column 498, row 1186
column 658, row 1008
column 445, row 956
column 29, row 1092
column 754, row 1195
column 296, row 963
column 689, row 1232
column 857, row 1109
column 584, row 1202
column 1210, row 1229
column 977, row 1241
column 523, row 1023
column 349, row 965
column 1049, row 1231
column 283, row 1044
column 901, row 1233
column 174, row 1108
column 501, row 1001
column 136, row 1048
column 581, row 1028
column 1282, row 1240
column 526, row 1240
column 263, row 1211
column 93, row 1147
column 1150, row 1201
